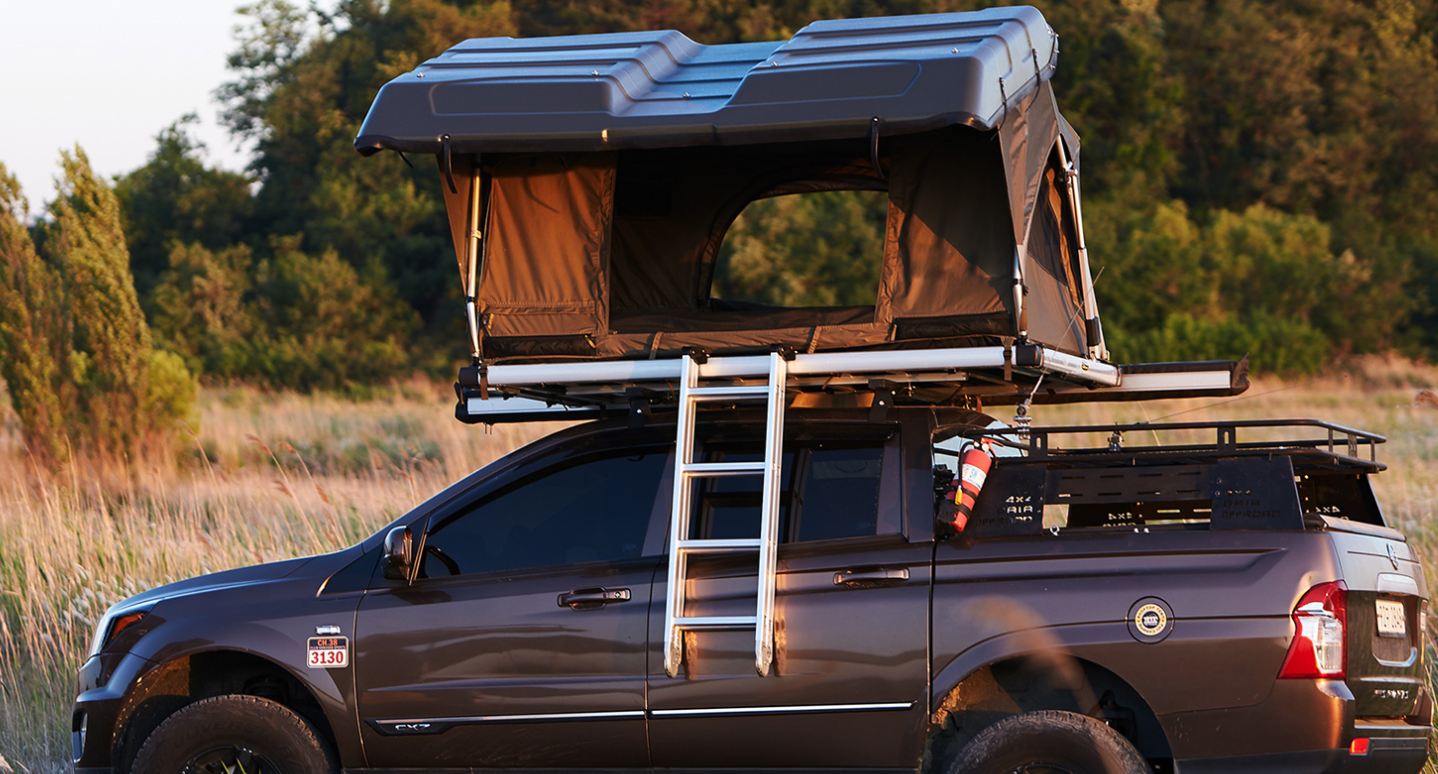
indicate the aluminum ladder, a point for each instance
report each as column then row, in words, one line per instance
column 686, row 471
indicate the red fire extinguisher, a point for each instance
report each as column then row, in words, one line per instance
column 958, row 503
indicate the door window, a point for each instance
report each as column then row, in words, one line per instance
column 828, row 490
column 594, row 509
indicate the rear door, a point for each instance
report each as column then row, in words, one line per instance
column 849, row 681
column 522, row 643
column 1386, row 595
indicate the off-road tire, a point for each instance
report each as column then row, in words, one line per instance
column 1048, row 742
column 267, row 734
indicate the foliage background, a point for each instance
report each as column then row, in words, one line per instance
column 1259, row 177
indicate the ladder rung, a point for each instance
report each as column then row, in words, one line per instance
column 716, row 622
column 717, row 545
column 722, row 468
column 729, row 391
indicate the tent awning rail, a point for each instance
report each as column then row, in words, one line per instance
column 995, row 374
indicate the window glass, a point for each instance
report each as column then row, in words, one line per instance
column 835, row 495
column 590, row 510
column 841, row 493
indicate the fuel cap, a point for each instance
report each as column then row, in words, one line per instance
column 1150, row 620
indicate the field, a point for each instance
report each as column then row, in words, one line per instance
column 268, row 476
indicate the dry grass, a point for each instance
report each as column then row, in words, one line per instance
column 273, row 476
column 268, row 477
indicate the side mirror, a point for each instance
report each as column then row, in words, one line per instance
column 398, row 554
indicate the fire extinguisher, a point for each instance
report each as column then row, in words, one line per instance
column 958, row 504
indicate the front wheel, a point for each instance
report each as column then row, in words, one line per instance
column 1049, row 742
column 232, row 734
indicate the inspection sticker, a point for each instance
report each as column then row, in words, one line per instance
column 329, row 652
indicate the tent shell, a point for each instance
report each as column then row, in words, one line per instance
column 560, row 274
column 590, row 179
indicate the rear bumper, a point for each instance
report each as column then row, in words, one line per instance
column 1385, row 756
column 1302, row 726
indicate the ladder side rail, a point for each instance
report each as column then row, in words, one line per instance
column 679, row 518
column 769, row 515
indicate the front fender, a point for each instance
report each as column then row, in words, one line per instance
column 272, row 622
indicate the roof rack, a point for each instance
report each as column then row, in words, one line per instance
column 1327, row 448
column 953, row 376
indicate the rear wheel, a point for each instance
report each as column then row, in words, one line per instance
column 233, row 734
column 1049, row 742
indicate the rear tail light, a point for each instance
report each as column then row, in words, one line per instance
column 1358, row 746
column 1320, row 627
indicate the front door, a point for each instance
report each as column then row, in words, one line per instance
column 849, row 687
column 522, row 641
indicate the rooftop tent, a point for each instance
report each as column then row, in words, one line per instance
column 590, row 181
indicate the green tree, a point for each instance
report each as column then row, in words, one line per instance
column 111, row 340
column 201, row 312
column 76, row 348
column 322, row 325
column 32, row 326
column 305, row 82
column 175, row 198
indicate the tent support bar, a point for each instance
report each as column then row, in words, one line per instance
column 1020, row 322
column 471, row 289
column 1097, row 347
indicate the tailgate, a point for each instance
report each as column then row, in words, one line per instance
column 1386, row 599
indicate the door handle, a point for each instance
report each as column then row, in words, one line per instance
column 591, row 598
column 860, row 577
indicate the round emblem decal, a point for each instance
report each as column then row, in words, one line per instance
column 1150, row 620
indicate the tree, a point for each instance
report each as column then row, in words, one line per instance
column 74, row 347
column 175, row 198
column 305, row 84
column 32, row 326
column 110, row 358
column 201, row 312
column 324, row 326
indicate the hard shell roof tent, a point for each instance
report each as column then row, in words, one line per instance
column 589, row 181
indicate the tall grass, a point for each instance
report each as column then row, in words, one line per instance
column 267, row 477
column 270, row 476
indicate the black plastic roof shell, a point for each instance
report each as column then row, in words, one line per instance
column 661, row 89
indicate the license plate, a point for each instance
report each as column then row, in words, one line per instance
column 1392, row 621
column 328, row 652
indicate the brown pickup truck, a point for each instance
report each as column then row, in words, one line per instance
column 1216, row 603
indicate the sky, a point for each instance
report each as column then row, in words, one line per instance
column 109, row 75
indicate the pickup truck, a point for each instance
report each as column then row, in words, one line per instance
column 1211, row 604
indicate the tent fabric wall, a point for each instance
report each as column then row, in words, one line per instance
column 1052, row 271
column 948, row 251
column 457, row 204
column 547, row 245
column 611, row 254
column 1027, row 135
column 674, row 206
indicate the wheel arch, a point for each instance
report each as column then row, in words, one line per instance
column 1049, row 679
column 186, row 679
